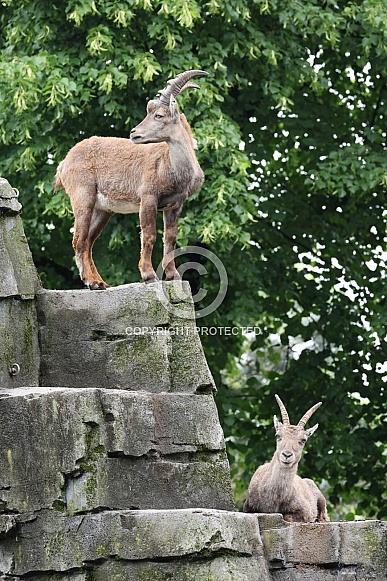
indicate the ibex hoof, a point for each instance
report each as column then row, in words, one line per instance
column 174, row 276
column 95, row 285
column 151, row 279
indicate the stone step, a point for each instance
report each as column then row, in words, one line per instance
column 151, row 545
column 134, row 337
column 344, row 551
column 82, row 449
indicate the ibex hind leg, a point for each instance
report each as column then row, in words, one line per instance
column 83, row 203
column 297, row 516
column 99, row 220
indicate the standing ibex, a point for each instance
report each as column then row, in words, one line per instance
column 275, row 486
column 155, row 170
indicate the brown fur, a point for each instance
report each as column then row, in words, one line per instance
column 156, row 170
column 275, row 486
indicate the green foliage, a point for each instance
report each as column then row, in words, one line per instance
column 292, row 139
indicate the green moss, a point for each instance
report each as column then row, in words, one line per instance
column 10, row 459
column 121, row 353
column 59, row 506
column 19, row 341
column 143, row 355
column 7, row 331
column 55, row 547
column 16, row 247
column 270, row 539
column 91, row 489
column 93, row 447
column 147, row 351
column 209, row 472
column 94, row 451
column 150, row 572
column 89, row 485
column 144, row 539
column 27, row 334
column 100, row 551
column 374, row 552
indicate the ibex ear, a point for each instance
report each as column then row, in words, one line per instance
column 277, row 424
column 172, row 107
column 312, row 430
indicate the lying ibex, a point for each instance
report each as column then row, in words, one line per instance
column 275, row 486
column 155, row 170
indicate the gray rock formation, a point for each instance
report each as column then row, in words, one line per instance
column 112, row 459
column 139, row 545
column 344, row 551
column 83, row 450
column 18, row 275
column 19, row 283
column 122, row 338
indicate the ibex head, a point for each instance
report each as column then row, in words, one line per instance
column 163, row 111
column 292, row 439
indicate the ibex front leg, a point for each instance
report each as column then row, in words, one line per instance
column 148, row 213
column 170, row 235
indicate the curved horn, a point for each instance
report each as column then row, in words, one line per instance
column 284, row 413
column 178, row 84
column 189, row 85
column 308, row 414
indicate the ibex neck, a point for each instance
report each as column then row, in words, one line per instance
column 282, row 477
column 182, row 155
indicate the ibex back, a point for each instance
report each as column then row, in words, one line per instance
column 155, row 170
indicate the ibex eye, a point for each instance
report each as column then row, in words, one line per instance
column 158, row 116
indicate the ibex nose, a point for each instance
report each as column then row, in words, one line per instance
column 287, row 455
column 134, row 136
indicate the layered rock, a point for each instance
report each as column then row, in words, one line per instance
column 19, row 283
column 112, row 459
column 344, row 551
